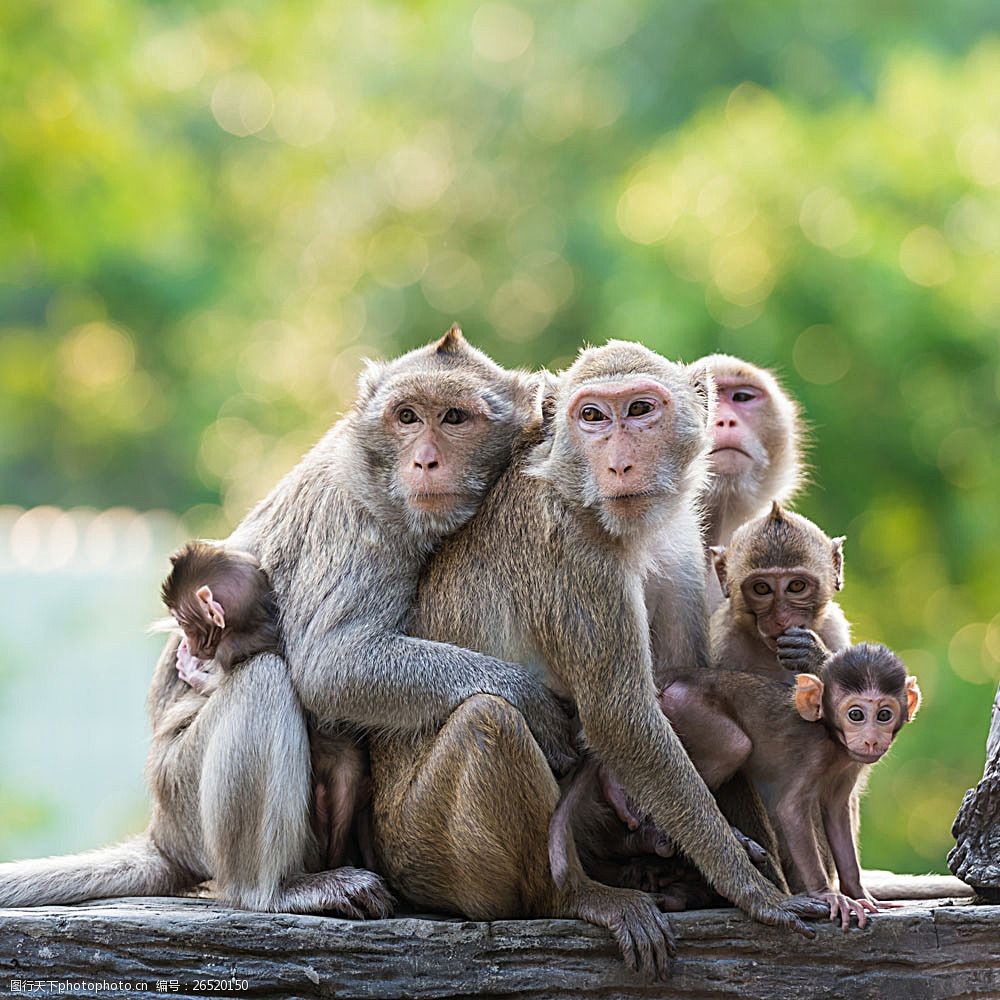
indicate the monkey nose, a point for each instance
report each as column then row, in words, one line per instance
column 620, row 469
column 426, row 458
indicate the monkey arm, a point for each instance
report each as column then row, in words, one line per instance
column 396, row 682
column 605, row 660
column 840, row 834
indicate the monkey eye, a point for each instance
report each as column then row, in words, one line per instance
column 884, row 715
column 796, row 586
column 407, row 416
column 592, row 415
column 743, row 396
column 455, row 416
column 761, row 588
column 640, row 408
column 856, row 715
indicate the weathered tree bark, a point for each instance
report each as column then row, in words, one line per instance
column 192, row 947
column 975, row 858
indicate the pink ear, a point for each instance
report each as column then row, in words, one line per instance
column 212, row 608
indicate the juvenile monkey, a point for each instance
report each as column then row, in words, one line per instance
column 550, row 573
column 861, row 696
column 778, row 574
column 223, row 603
column 343, row 539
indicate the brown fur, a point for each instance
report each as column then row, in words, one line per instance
column 343, row 539
column 550, row 575
column 242, row 588
column 806, row 767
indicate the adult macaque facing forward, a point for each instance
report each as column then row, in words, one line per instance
column 550, row 573
column 343, row 539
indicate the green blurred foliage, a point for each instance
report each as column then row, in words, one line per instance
column 213, row 211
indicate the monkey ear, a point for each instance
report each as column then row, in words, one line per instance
column 368, row 380
column 838, row 561
column 452, row 342
column 808, row 697
column 210, row 607
column 719, row 562
column 704, row 388
column 913, row 697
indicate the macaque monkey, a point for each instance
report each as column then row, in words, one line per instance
column 222, row 602
column 756, row 445
column 778, row 575
column 550, row 573
column 343, row 539
column 861, row 696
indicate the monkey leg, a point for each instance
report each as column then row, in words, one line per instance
column 461, row 818
column 461, row 823
column 256, row 786
column 717, row 746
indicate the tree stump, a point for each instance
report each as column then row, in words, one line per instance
column 975, row 858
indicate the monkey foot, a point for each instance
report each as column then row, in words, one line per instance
column 640, row 929
column 347, row 892
column 843, row 907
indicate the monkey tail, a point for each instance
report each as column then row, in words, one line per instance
column 135, row 867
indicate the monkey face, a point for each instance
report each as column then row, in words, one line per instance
column 436, row 440
column 434, row 428
column 743, row 412
column 621, row 429
column 780, row 599
column 867, row 722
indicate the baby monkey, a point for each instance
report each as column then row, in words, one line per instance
column 861, row 697
column 223, row 603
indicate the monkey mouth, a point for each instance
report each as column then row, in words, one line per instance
column 628, row 497
column 427, row 500
column 729, row 447
column 864, row 758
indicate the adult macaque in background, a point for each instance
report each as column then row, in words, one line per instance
column 861, row 696
column 343, row 539
column 756, row 450
column 550, row 573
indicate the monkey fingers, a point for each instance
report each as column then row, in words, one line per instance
column 640, row 930
column 349, row 892
column 843, row 907
column 789, row 912
column 801, row 650
column 757, row 855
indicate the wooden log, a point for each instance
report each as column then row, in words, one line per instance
column 975, row 858
column 193, row 947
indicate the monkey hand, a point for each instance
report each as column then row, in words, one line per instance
column 789, row 912
column 551, row 723
column 843, row 907
column 189, row 669
column 759, row 858
column 640, row 930
column 801, row 650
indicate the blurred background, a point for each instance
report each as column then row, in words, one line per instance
column 211, row 212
